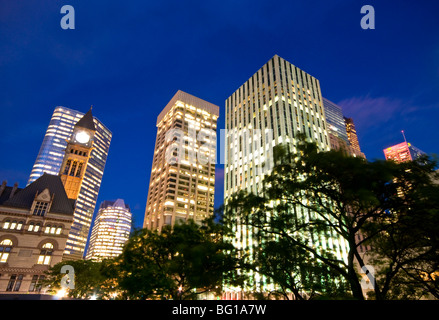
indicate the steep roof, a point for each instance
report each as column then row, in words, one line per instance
column 87, row 121
column 24, row 198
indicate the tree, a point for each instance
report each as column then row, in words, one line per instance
column 179, row 263
column 89, row 279
column 311, row 195
column 406, row 251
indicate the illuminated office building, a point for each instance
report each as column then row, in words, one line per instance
column 353, row 138
column 64, row 133
column 402, row 152
column 271, row 108
column 111, row 230
column 182, row 179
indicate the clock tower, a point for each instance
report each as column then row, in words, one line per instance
column 77, row 154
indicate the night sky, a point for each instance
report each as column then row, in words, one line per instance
column 128, row 58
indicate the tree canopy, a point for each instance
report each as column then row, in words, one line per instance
column 314, row 202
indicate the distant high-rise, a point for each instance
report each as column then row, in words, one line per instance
column 402, row 152
column 335, row 120
column 271, row 108
column 62, row 135
column 353, row 138
column 338, row 137
column 182, row 179
column 111, row 230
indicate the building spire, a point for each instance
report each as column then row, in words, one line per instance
column 402, row 131
column 87, row 121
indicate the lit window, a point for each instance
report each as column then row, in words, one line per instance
column 6, row 224
column 5, row 249
column 45, row 254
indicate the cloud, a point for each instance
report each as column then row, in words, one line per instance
column 369, row 111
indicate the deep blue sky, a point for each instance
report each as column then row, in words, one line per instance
column 128, row 58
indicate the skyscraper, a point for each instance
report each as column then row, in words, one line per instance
column 182, row 179
column 111, row 230
column 277, row 102
column 353, row 138
column 402, row 152
column 51, row 159
column 271, row 108
column 335, row 120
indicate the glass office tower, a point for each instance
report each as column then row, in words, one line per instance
column 271, row 108
column 50, row 159
column 182, row 182
column 335, row 119
column 111, row 230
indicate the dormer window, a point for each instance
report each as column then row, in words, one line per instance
column 41, row 203
column 40, row 208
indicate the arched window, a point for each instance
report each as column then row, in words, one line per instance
column 73, row 168
column 35, row 227
column 13, row 225
column 68, row 163
column 78, row 172
column 5, row 250
column 45, row 254
column 52, row 229
column 6, row 224
column 47, row 229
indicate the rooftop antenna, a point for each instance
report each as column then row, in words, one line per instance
column 402, row 131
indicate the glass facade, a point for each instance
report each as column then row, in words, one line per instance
column 182, row 182
column 335, row 120
column 111, row 230
column 50, row 159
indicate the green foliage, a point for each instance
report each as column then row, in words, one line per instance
column 177, row 263
column 310, row 195
column 90, row 279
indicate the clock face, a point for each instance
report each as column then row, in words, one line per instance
column 82, row 137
